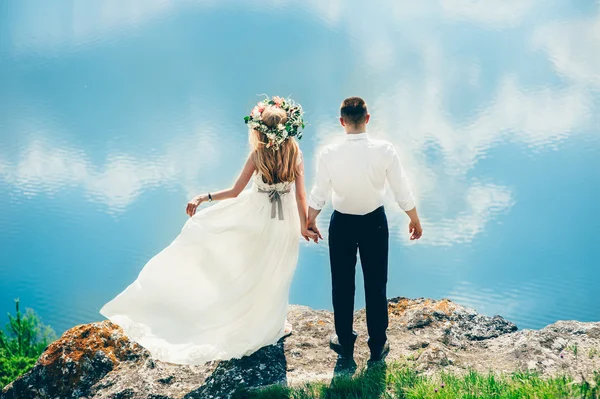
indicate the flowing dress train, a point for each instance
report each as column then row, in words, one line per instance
column 220, row 289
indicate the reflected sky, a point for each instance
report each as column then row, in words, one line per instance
column 114, row 113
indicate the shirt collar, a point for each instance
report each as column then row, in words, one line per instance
column 357, row 136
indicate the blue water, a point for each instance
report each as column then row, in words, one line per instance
column 113, row 113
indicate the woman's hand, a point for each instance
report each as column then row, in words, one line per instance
column 193, row 205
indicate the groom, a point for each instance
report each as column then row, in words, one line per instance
column 355, row 172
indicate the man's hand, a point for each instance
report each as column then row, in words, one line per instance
column 415, row 229
column 193, row 205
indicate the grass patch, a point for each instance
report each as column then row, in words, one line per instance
column 21, row 343
column 402, row 382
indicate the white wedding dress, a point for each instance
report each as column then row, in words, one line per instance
column 220, row 289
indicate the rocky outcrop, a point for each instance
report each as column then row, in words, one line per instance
column 98, row 361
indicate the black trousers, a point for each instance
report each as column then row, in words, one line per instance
column 368, row 234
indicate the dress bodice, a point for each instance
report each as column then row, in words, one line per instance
column 259, row 184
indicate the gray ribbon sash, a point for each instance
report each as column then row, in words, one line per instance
column 275, row 199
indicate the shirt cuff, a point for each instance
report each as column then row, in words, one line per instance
column 315, row 203
column 408, row 204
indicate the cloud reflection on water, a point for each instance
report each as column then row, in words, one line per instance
column 412, row 112
column 573, row 47
column 47, row 168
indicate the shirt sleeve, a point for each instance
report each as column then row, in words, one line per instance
column 322, row 188
column 399, row 183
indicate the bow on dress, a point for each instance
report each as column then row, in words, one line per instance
column 276, row 204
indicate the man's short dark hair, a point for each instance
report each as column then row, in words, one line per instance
column 354, row 110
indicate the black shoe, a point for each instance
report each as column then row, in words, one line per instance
column 344, row 367
column 345, row 352
column 379, row 354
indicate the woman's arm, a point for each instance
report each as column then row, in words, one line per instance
column 238, row 187
column 302, row 204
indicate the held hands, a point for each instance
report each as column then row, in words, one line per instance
column 193, row 205
column 312, row 232
column 309, row 235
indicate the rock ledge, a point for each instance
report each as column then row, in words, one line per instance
column 98, row 361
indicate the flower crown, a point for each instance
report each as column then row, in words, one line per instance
column 277, row 134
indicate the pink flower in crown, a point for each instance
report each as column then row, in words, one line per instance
column 261, row 107
column 278, row 101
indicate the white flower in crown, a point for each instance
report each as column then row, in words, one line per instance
column 256, row 113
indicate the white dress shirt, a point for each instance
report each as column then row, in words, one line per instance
column 355, row 172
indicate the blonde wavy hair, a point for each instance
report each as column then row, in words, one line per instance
column 276, row 166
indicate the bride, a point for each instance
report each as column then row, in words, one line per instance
column 220, row 289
